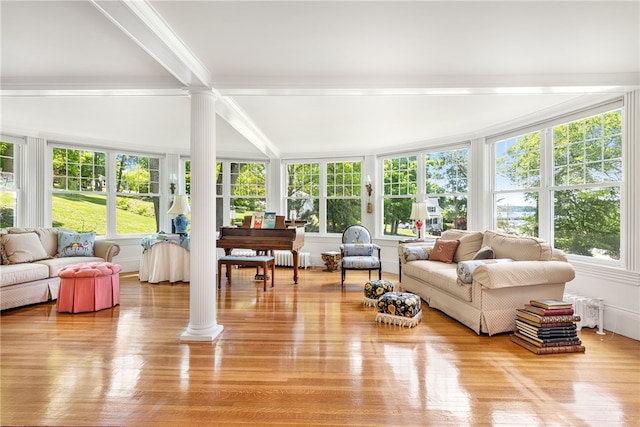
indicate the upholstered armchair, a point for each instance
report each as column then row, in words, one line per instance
column 359, row 252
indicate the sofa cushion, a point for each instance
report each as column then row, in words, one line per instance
column 470, row 243
column 444, row 250
column 49, row 240
column 21, row 248
column 518, row 248
column 485, row 252
column 71, row 244
column 465, row 268
column 447, row 280
column 22, row 273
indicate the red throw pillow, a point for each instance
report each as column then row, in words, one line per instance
column 444, row 250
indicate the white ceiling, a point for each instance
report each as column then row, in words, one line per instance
column 304, row 78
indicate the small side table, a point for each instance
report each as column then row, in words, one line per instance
column 331, row 260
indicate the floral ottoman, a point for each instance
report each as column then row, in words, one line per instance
column 399, row 308
column 374, row 289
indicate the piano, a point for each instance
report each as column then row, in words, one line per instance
column 291, row 239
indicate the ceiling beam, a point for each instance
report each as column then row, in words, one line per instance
column 144, row 25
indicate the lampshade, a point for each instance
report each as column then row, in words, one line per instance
column 419, row 211
column 180, row 205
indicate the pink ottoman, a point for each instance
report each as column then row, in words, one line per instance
column 90, row 286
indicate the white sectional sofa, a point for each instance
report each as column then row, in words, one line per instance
column 495, row 290
column 30, row 259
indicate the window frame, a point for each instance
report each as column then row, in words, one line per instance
column 18, row 144
column 548, row 186
column 109, row 192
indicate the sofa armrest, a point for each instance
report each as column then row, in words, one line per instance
column 106, row 249
column 523, row 273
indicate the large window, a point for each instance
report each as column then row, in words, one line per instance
column 79, row 193
column 80, row 190
column 581, row 197
column 8, row 188
column 518, row 184
column 219, row 195
column 587, row 172
column 344, row 195
column 303, row 193
column 399, row 192
column 248, row 188
column 446, row 189
column 137, row 194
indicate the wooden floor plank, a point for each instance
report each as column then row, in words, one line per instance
column 307, row 354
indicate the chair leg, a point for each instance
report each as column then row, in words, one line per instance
column 342, row 273
column 380, row 273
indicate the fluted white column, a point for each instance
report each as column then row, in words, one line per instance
column 631, row 196
column 203, row 325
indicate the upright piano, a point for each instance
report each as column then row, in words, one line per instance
column 291, row 239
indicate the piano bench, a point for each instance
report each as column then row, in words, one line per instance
column 265, row 262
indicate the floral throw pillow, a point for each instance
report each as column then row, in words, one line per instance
column 75, row 244
column 414, row 253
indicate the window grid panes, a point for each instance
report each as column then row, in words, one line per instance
column 7, row 184
column 79, row 190
column 587, row 173
column 79, row 170
column 399, row 192
column 518, row 168
column 248, row 188
column 137, row 194
column 518, row 162
column 303, row 194
column 344, row 192
column 446, row 184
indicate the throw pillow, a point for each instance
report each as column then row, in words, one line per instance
column 414, row 253
column 485, row 253
column 21, row 248
column 358, row 249
column 75, row 244
column 444, row 250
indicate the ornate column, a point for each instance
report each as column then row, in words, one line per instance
column 203, row 325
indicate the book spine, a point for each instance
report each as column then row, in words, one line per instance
column 562, row 349
column 548, row 312
column 550, row 304
column 547, row 344
column 543, row 325
column 577, row 348
column 547, row 319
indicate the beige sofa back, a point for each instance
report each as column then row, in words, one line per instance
column 48, row 237
column 470, row 243
column 518, row 248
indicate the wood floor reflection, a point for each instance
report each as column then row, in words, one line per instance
column 309, row 354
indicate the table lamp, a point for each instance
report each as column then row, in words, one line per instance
column 180, row 207
column 418, row 213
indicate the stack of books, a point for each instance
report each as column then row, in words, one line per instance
column 547, row 327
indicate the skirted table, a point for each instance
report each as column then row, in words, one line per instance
column 164, row 260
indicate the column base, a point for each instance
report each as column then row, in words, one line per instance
column 204, row 335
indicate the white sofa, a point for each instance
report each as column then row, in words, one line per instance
column 488, row 303
column 30, row 263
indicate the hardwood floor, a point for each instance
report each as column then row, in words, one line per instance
column 309, row 354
